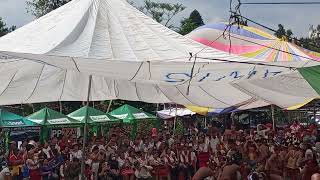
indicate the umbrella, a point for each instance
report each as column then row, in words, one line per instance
column 129, row 114
column 94, row 116
column 11, row 120
column 49, row 117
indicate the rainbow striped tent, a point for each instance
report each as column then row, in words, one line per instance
column 251, row 42
column 303, row 85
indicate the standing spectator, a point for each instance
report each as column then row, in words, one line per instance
column 15, row 161
column 33, row 165
column 295, row 127
column 114, row 171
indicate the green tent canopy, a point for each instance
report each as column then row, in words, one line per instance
column 94, row 116
column 49, row 117
column 129, row 114
column 11, row 120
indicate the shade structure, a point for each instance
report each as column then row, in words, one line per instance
column 251, row 42
column 129, row 114
column 49, row 117
column 130, row 56
column 290, row 90
column 11, row 120
column 93, row 116
column 173, row 112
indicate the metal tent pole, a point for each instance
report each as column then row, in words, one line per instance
column 85, row 132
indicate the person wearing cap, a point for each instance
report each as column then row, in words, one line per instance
column 75, row 152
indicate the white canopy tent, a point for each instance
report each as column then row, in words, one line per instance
column 129, row 56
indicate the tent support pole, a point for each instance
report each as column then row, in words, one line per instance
column 60, row 106
column 205, row 122
column 273, row 119
column 109, row 106
column 85, row 132
column 314, row 112
column 175, row 120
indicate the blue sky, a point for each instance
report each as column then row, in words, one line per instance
column 297, row 18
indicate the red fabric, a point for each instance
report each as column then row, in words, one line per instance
column 312, row 127
column 127, row 171
column 154, row 132
column 13, row 158
column 88, row 173
column 203, row 159
column 161, row 171
column 62, row 145
column 269, row 125
column 35, row 174
column 311, row 168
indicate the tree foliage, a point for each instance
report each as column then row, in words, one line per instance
column 311, row 43
column 282, row 33
column 39, row 8
column 189, row 24
column 4, row 29
column 161, row 12
column 196, row 18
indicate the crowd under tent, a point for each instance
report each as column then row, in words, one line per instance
column 114, row 51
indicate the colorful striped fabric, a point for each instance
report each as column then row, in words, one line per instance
column 255, row 43
column 251, row 42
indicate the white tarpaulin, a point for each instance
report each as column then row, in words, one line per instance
column 130, row 56
column 173, row 112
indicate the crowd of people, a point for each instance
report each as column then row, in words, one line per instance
column 291, row 153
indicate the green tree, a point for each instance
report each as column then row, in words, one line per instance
column 39, row 8
column 196, row 18
column 281, row 32
column 161, row 12
column 189, row 24
column 312, row 44
column 289, row 33
column 4, row 29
